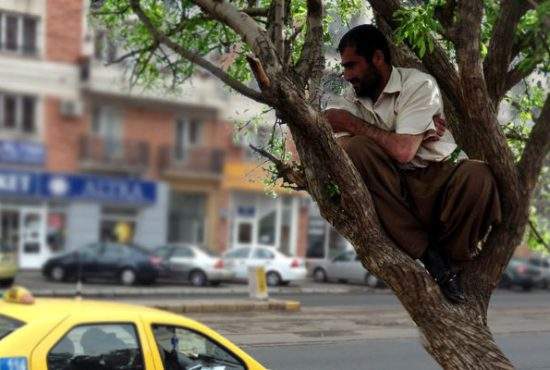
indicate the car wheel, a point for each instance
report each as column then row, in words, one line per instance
column 273, row 278
column 6, row 282
column 198, row 278
column 319, row 275
column 127, row 277
column 57, row 273
column 371, row 280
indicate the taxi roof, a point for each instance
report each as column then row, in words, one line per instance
column 61, row 307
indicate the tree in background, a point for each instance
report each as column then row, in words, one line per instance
column 477, row 50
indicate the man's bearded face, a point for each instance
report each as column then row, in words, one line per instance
column 361, row 74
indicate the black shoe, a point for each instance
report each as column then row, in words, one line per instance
column 451, row 289
column 439, row 268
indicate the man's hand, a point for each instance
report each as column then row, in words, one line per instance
column 440, row 127
column 337, row 119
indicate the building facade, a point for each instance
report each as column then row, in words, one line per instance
column 85, row 158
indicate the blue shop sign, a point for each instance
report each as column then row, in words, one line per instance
column 22, row 152
column 76, row 187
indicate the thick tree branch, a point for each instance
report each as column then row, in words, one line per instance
column 251, row 33
column 195, row 57
column 437, row 63
column 445, row 14
column 515, row 76
column 290, row 172
column 311, row 58
column 499, row 55
column 535, row 151
column 276, row 27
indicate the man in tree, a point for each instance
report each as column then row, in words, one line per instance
column 389, row 126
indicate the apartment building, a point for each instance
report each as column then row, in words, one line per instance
column 85, row 158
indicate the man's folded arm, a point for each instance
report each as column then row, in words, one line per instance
column 400, row 147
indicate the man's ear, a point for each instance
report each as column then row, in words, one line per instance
column 378, row 59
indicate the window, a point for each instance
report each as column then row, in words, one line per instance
column 17, row 113
column 18, row 33
column 117, row 225
column 114, row 251
column 56, row 232
column 345, row 257
column 238, row 253
column 163, row 252
column 107, row 128
column 263, row 254
column 266, row 229
column 182, row 349
column 105, row 49
column 244, row 233
column 188, row 134
column 183, row 252
column 91, row 250
column 112, row 346
column 187, row 217
column 8, row 325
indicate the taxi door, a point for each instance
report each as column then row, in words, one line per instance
column 81, row 337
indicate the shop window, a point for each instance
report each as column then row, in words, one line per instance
column 117, row 225
column 244, row 233
column 186, row 223
column 286, row 225
column 18, row 33
column 266, row 229
column 181, row 348
column 17, row 113
column 57, row 228
column 111, row 346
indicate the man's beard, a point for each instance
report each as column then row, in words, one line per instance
column 367, row 85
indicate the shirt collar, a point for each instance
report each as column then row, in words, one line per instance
column 394, row 83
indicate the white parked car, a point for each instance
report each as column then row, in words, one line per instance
column 279, row 268
column 193, row 264
column 345, row 267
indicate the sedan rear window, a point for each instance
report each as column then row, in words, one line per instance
column 8, row 325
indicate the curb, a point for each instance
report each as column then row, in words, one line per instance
column 94, row 292
column 225, row 306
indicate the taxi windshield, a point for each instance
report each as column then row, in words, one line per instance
column 8, row 325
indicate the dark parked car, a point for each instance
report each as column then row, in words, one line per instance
column 128, row 264
column 521, row 273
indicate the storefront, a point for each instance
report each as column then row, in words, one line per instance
column 44, row 214
column 258, row 219
column 324, row 242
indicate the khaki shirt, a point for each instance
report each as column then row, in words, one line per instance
column 407, row 105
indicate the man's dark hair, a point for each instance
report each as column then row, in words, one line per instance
column 366, row 39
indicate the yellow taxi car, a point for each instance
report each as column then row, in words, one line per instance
column 75, row 334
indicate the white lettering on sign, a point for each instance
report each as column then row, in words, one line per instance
column 113, row 190
column 15, row 183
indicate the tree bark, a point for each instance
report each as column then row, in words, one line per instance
column 457, row 336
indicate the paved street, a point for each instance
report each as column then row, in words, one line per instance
column 339, row 325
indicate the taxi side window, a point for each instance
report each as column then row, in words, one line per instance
column 184, row 349
column 97, row 347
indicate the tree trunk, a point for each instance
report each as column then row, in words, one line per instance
column 456, row 340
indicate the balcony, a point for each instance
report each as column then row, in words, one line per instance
column 192, row 163
column 98, row 154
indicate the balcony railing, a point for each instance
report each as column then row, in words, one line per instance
column 112, row 155
column 191, row 162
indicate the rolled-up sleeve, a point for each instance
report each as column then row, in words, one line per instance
column 416, row 107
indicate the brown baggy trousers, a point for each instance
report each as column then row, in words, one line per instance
column 444, row 205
